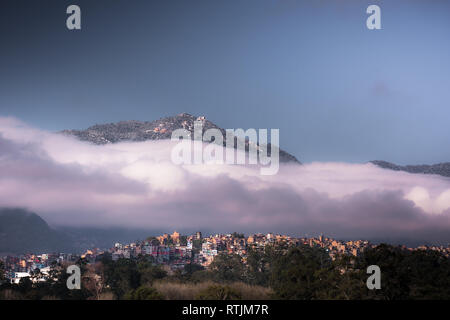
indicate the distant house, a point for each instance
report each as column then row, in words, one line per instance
column 18, row 276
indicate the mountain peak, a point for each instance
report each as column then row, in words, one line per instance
column 442, row 169
column 134, row 130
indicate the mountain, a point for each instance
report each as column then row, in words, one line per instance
column 154, row 130
column 442, row 169
column 22, row 231
column 84, row 238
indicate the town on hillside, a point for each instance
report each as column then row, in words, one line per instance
column 174, row 251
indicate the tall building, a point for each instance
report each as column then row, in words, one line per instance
column 198, row 236
column 175, row 237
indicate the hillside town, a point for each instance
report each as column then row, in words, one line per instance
column 174, row 251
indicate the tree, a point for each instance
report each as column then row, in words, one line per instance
column 219, row 292
column 258, row 266
column 420, row 274
column 183, row 240
column 121, row 276
column 298, row 273
column 25, row 285
column 93, row 280
column 153, row 241
column 228, row 267
column 429, row 273
column 345, row 282
column 2, row 272
column 197, row 245
column 190, row 268
column 394, row 278
column 150, row 272
column 238, row 235
column 56, row 285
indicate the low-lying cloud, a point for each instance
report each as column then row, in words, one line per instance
column 69, row 182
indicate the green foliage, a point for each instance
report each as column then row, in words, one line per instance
column 153, row 241
column 150, row 272
column 219, row 292
column 259, row 265
column 2, row 272
column 143, row 293
column 191, row 269
column 290, row 273
column 125, row 275
column 429, row 275
column 408, row 275
column 183, row 240
column 197, row 244
column 228, row 268
column 55, row 287
column 238, row 235
column 345, row 282
column 122, row 276
column 307, row 273
column 297, row 274
column 25, row 285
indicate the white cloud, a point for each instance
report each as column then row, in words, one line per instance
column 136, row 184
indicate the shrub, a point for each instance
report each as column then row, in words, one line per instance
column 219, row 292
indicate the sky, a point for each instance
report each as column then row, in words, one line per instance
column 340, row 94
column 336, row 90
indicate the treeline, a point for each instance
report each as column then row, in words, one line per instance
column 276, row 272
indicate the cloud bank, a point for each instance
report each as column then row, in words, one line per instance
column 135, row 184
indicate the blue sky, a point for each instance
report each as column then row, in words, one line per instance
column 336, row 90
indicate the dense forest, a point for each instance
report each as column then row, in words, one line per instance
column 303, row 273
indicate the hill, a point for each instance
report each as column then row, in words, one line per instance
column 151, row 130
column 22, row 231
column 442, row 169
